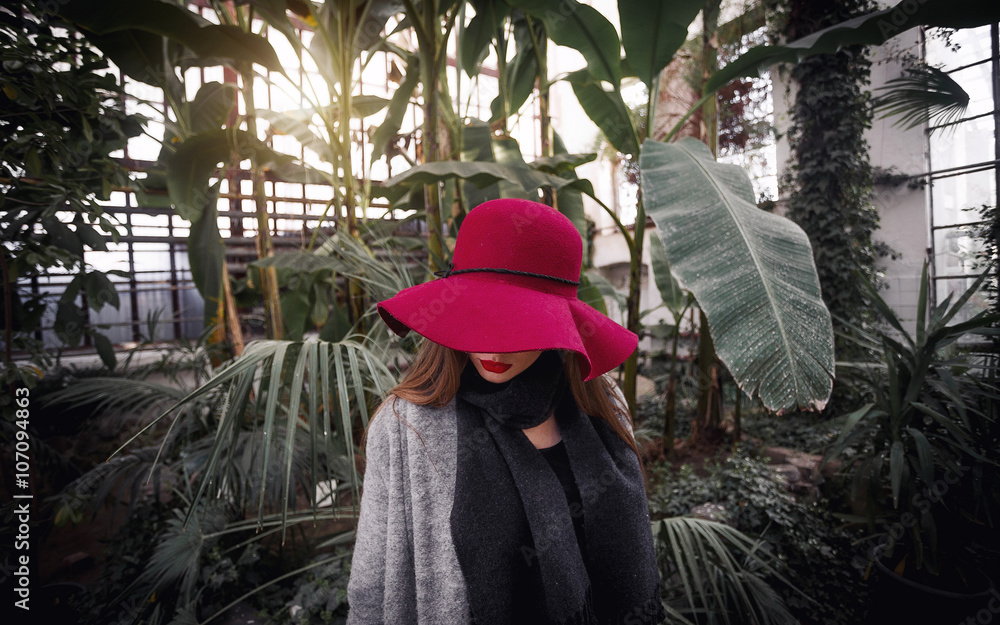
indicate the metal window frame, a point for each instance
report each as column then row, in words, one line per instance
column 931, row 174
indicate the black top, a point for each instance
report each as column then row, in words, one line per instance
column 558, row 459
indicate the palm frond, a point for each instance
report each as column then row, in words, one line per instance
column 119, row 396
column 380, row 275
column 713, row 572
column 128, row 478
column 925, row 94
column 285, row 410
column 178, row 554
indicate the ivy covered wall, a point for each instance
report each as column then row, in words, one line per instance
column 828, row 179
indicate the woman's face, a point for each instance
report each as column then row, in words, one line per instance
column 499, row 368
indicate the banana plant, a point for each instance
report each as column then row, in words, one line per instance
column 345, row 37
column 245, row 458
column 651, row 36
column 752, row 272
column 492, row 166
column 149, row 41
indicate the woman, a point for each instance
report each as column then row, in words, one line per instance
column 502, row 483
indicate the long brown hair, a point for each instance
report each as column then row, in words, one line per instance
column 434, row 377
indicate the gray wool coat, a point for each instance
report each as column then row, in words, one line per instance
column 405, row 569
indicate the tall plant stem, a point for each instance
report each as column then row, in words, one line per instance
column 653, row 99
column 347, row 29
column 635, row 267
column 632, row 303
column 264, row 244
column 670, row 410
column 540, row 47
column 709, row 393
column 709, row 404
column 232, row 318
column 428, row 33
column 737, row 419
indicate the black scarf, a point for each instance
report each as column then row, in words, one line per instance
column 510, row 520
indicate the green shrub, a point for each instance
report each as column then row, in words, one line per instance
column 803, row 536
column 804, row 431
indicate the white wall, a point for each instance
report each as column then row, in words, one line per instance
column 904, row 223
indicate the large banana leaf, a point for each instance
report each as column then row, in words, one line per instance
column 522, row 71
column 653, row 31
column 479, row 33
column 582, row 28
column 299, row 125
column 477, row 147
column 191, row 166
column 751, row 271
column 211, row 106
column 480, row 174
column 176, row 23
column 397, row 108
column 207, row 255
column 606, row 108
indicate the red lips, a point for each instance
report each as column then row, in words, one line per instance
column 495, row 367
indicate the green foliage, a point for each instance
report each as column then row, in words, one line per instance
column 111, row 599
column 751, row 271
column 158, row 571
column 830, row 176
column 805, row 538
column 128, row 30
column 923, row 450
column 64, row 116
column 836, row 32
column 312, row 297
column 710, row 570
column 652, row 32
column 925, row 94
column 806, row 431
column 320, row 593
column 239, row 461
column 987, row 233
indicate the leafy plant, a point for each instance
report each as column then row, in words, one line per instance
column 736, row 258
column 321, row 593
column 64, row 116
column 713, row 573
column 598, row 90
column 987, row 233
column 923, row 450
column 923, row 95
column 153, row 42
column 804, row 537
column 237, row 457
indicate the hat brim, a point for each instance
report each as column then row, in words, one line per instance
column 470, row 314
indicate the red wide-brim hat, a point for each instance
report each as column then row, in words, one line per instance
column 512, row 287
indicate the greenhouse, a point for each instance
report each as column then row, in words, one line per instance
column 565, row 311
